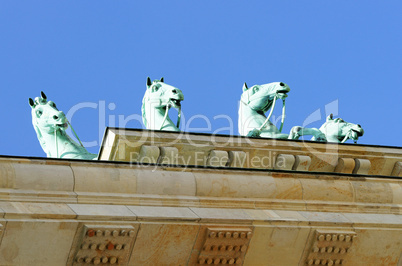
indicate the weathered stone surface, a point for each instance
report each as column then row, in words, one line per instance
column 164, row 244
column 152, row 180
column 276, row 245
column 218, row 158
column 174, row 208
column 237, row 159
column 327, row 190
column 345, row 165
column 221, row 245
column 397, row 170
column 95, row 177
column 362, row 166
column 227, row 185
column 101, row 244
column 372, row 192
column 57, row 177
column 192, row 147
column 329, row 247
column 102, row 212
column 222, row 215
column 376, row 247
column 148, row 154
column 302, row 163
column 284, row 162
column 163, row 213
column 31, row 210
column 37, row 242
column 168, row 155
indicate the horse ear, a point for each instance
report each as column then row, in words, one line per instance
column 245, row 86
column 330, row 117
column 31, row 102
column 43, row 95
column 149, row 82
column 162, row 80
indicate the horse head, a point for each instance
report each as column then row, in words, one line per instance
column 50, row 126
column 338, row 130
column 257, row 100
column 46, row 117
column 162, row 97
column 260, row 97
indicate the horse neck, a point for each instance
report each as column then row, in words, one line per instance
column 64, row 144
column 328, row 134
column 155, row 116
column 249, row 118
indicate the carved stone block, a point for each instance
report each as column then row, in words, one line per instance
column 330, row 247
column 103, row 244
column 148, row 154
column 397, row 171
column 237, row 159
column 362, row 166
column 218, row 158
column 222, row 245
column 168, row 155
column 302, row 163
column 345, row 165
column 284, row 161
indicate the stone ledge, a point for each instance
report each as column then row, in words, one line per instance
column 259, row 153
column 277, row 237
column 105, row 183
column 71, row 233
column 48, row 211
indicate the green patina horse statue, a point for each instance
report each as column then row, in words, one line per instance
column 254, row 102
column 50, row 125
column 158, row 99
column 333, row 130
column 258, row 99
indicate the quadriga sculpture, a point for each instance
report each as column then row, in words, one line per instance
column 333, row 130
column 254, row 102
column 50, row 125
column 158, row 99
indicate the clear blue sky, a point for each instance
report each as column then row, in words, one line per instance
column 100, row 53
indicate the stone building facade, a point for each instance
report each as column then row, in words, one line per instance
column 164, row 198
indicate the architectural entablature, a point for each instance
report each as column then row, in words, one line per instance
column 197, row 149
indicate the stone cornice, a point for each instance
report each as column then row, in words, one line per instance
column 97, row 182
column 185, row 149
column 308, row 203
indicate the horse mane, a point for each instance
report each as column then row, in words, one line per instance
column 323, row 126
column 146, row 96
column 327, row 122
column 36, row 128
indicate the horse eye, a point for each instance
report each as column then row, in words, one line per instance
column 282, row 84
column 39, row 113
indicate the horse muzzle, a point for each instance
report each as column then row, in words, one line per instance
column 64, row 125
column 175, row 102
column 281, row 95
column 356, row 132
column 60, row 120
